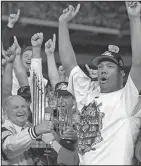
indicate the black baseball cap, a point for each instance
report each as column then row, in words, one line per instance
column 24, row 92
column 61, row 89
column 111, row 55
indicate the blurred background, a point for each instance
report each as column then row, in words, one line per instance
column 98, row 24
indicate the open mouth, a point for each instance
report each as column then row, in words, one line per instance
column 28, row 63
column 103, row 80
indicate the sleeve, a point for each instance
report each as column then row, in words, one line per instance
column 80, row 86
column 6, row 37
column 14, row 145
column 130, row 96
column 67, row 157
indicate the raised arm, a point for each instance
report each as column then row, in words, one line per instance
column 67, row 54
column 20, row 71
column 52, row 68
column 13, row 18
column 36, row 61
column 7, row 76
column 133, row 9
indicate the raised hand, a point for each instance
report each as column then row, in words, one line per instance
column 133, row 8
column 18, row 48
column 50, row 46
column 69, row 13
column 13, row 18
column 10, row 54
column 45, row 127
column 92, row 73
column 37, row 40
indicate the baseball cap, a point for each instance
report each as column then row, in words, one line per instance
column 24, row 92
column 111, row 55
column 61, row 89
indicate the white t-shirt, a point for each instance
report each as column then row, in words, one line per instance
column 36, row 65
column 120, row 123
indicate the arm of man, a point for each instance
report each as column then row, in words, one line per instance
column 6, row 34
column 19, row 70
column 135, row 28
column 14, row 145
column 7, row 82
column 65, row 156
column 36, row 61
column 52, row 68
column 133, row 85
column 13, row 18
column 67, row 55
column 8, row 76
column 79, row 83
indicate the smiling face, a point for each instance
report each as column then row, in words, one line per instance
column 109, row 76
column 26, row 59
column 17, row 110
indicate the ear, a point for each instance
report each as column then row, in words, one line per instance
column 122, row 73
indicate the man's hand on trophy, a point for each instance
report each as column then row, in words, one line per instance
column 44, row 127
column 48, row 137
column 70, row 134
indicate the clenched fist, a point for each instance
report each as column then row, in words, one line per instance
column 37, row 40
column 133, row 8
column 50, row 46
column 69, row 13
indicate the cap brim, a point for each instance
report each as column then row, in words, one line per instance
column 98, row 59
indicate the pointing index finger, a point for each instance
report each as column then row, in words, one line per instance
column 18, row 13
column 54, row 39
column 15, row 40
column 77, row 9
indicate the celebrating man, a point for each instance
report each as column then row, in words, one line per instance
column 108, row 125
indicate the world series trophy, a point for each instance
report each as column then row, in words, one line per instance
column 55, row 106
column 61, row 102
column 38, row 101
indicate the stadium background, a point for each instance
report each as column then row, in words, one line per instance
column 98, row 24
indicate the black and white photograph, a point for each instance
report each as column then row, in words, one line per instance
column 70, row 82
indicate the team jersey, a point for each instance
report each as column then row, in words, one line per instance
column 108, row 125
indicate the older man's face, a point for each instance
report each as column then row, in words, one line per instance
column 17, row 110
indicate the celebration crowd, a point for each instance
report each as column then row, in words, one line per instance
column 90, row 119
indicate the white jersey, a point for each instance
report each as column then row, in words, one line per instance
column 120, row 123
column 36, row 66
